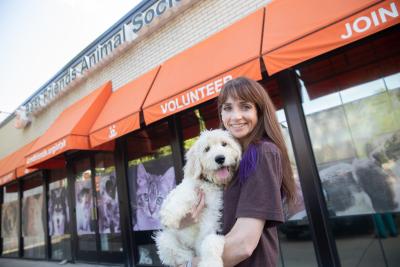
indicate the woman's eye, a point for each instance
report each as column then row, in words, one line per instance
column 247, row 107
column 207, row 149
column 223, row 143
column 226, row 108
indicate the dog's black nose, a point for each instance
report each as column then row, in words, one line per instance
column 220, row 159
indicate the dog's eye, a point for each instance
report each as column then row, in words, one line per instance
column 207, row 149
column 224, row 144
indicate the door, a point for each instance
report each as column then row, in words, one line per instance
column 98, row 235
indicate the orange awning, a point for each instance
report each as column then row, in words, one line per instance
column 120, row 114
column 296, row 31
column 13, row 165
column 69, row 131
column 198, row 73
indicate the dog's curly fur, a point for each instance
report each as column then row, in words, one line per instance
column 202, row 171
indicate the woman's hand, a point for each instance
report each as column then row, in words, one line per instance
column 193, row 216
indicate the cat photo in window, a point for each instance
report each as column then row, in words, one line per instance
column 151, row 189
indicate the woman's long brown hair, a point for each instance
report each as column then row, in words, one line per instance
column 267, row 125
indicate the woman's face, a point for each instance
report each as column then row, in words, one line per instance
column 239, row 117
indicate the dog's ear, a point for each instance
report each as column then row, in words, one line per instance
column 192, row 167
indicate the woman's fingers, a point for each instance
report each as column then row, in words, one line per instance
column 193, row 216
column 200, row 206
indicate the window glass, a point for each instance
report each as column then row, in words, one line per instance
column 107, row 203
column 355, row 137
column 10, row 221
column 59, row 219
column 151, row 176
column 33, row 217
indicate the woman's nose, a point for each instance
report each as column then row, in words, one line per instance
column 236, row 114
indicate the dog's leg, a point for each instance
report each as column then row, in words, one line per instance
column 211, row 251
column 178, row 204
column 170, row 250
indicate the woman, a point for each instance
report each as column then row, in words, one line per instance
column 253, row 200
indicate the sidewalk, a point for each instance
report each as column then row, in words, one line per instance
column 33, row 263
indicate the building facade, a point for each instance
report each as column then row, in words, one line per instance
column 84, row 180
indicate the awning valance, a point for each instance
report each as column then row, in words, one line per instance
column 295, row 31
column 69, row 131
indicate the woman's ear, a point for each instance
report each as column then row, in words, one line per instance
column 192, row 167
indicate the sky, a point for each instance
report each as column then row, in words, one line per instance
column 39, row 37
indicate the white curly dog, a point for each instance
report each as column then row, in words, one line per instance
column 210, row 164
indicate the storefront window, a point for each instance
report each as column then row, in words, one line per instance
column 107, row 203
column 354, row 126
column 59, row 219
column 10, row 221
column 33, row 217
column 151, row 176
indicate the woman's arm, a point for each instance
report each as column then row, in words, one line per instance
column 241, row 241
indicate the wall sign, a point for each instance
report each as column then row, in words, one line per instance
column 136, row 25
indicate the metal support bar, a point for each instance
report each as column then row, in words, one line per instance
column 121, row 165
column 174, row 124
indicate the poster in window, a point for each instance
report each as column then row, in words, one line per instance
column 59, row 218
column 32, row 222
column 150, row 183
column 84, row 204
column 109, row 218
column 9, row 220
column 9, row 226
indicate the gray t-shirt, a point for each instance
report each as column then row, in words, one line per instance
column 258, row 197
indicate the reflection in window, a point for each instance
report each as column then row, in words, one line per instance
column 107, row 203
column 10, row 221
column 33, row 218
column 356, row 143
column 59, row 215
column 151, row 176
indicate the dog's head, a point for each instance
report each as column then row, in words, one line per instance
column 214, row 156
column 9, row 220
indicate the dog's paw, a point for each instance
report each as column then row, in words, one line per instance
column 170, row 250
column 211, row 251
